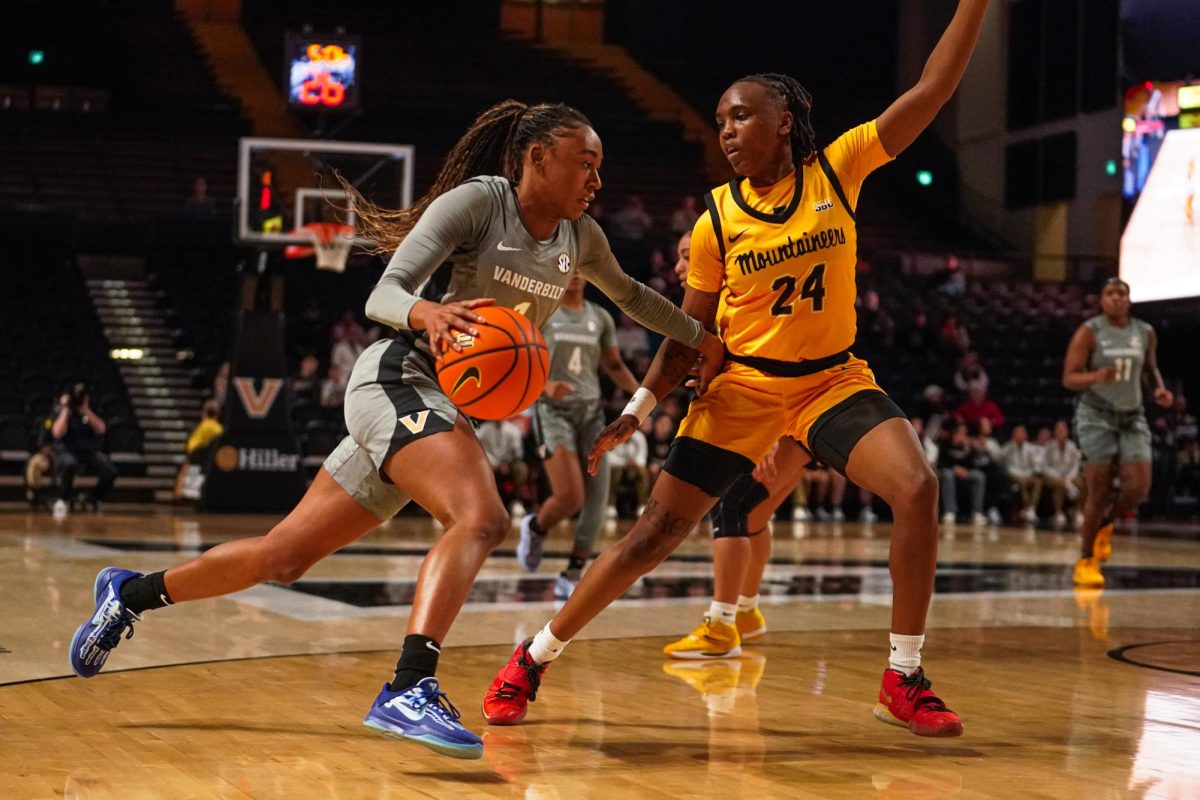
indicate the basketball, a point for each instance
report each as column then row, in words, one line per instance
column 501, row 371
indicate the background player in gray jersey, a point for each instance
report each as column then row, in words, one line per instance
column 514, row 240
column 1108, row 359
column 569, row 417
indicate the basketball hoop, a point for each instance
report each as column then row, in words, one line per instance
column 331, row 243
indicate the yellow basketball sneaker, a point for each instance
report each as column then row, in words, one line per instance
column 751, row 625
column 710, row 640
column 1087, row 573
column 1102, row 548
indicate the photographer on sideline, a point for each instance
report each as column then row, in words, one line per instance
column 76, row 431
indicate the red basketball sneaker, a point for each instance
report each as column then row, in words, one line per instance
column 907, row 701
column 515, row 686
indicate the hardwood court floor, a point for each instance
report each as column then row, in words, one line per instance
column 1063, row 695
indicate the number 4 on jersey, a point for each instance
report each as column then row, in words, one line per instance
column 812, row 289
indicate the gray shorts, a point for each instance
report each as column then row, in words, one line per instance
column 573, row 427
column 392, row 399
column 1107, row 436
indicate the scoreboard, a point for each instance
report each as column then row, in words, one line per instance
column 322, row 72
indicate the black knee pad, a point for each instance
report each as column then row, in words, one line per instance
column 735, row 506
column 835, row 433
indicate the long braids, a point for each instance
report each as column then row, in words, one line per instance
column 798, row 101
column 493, row 145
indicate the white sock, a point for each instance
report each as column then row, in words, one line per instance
column 906, row 652
column 747, row 603
column 722, row 612
column 545, row 646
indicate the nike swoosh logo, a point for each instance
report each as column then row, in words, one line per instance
column 893, row 648
column 163, row 597
column 503, row 248
column 469, row 374
column 412, row 714
column 432, row 647
column 733, row 239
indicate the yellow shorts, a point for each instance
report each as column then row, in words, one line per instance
column 746, row 411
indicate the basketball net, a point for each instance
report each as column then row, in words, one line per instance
column 331, row 243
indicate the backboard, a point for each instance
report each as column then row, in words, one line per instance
column 284, row 184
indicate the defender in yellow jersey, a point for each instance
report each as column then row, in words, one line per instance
column 776, row 256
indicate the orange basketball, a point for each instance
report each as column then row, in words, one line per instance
column 501, row 371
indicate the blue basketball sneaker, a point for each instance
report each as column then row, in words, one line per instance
column 424, row 714
column 96, row 637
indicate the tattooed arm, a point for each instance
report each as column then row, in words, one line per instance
column 671, row 364
column 674, row 360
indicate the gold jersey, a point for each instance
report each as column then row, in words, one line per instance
column 783, row 256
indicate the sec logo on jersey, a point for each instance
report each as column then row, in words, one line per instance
column 564, row 262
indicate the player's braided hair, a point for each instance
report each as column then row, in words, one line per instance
column 493, row 145
column 798, row 101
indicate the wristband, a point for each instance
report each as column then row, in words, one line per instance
column 641, row 404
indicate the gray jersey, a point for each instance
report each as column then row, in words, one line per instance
column 577, row 339
column 1124, row 349
column 477, row 228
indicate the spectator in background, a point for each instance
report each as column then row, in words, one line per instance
column 875, row 321
column 954, row 336
column 631, row 223
column 1187, row 471
column 627, row 463
column 76, row 430
column 632, row 340
column 1043, row 438
column 928, row 446
column 932, row 409
column 988, row 461
column 346, row 327
column 970, row 374
column 1023, row 461
column 1183, row 421
column 199, row 205
column 347, row 346
column 1060, row 470
column 978, row 406
column 190, row 480
column 502, row 442
column 918, row 337
column 306, row 384
column 333, row 388
column 684, row 217
column 951, row 281
column 956, row 465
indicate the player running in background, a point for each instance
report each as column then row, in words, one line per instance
column 1109, row 358
column 568, row 417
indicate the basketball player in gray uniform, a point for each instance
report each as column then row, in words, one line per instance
column 568, row 418
column 1108, row 359
column 515, row 240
